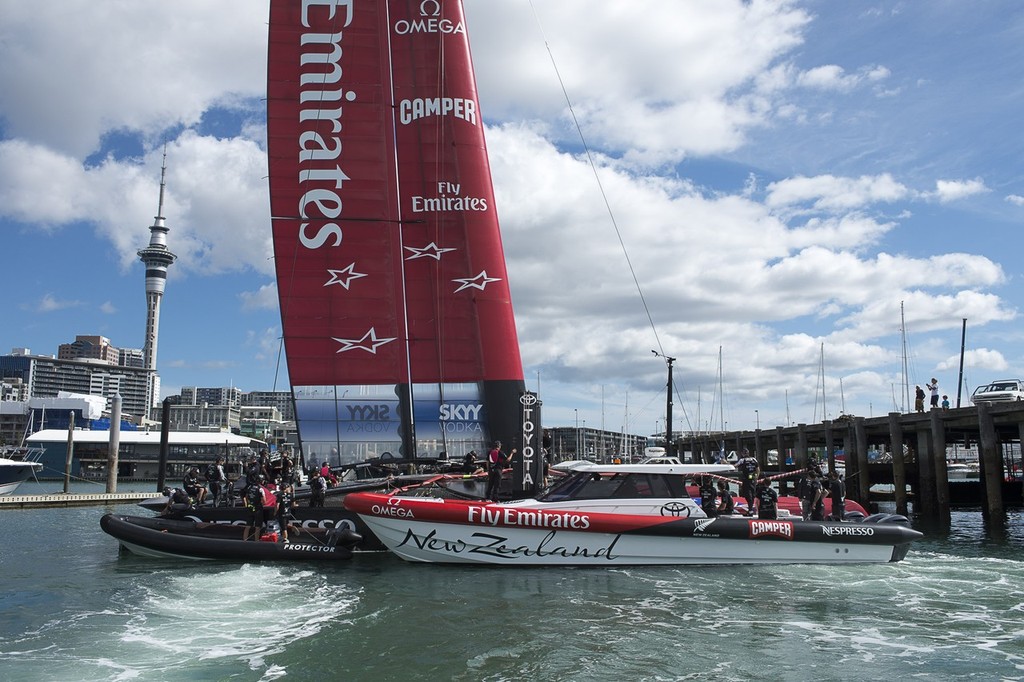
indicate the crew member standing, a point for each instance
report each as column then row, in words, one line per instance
column 837, row 491
column 749, row 472
column 496, row 461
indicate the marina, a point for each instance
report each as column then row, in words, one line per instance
column 951, row 610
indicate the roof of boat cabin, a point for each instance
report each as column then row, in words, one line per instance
column 676, row 469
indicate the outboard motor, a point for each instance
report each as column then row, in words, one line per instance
column 894, row 519
column 343, row 537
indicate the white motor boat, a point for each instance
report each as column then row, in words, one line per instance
column 626, row 514
column 16, row 465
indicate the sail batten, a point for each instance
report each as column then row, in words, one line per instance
column 395, row 303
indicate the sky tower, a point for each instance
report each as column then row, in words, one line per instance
column 157, row 258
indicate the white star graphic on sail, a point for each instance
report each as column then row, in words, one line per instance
column 344, row 277
column 431, row 250
column 478, row 282
column 370, row 343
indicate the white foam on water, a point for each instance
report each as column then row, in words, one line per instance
column 235, row 617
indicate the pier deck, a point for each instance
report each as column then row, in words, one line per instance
column 70, row 499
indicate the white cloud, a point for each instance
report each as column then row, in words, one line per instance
column 264, row 298
column 953, row 190
column 828, row 192
column 1015, row 199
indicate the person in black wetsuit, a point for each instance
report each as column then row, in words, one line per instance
column 254, row 502
column 176, row 496
column 317, row 488
column 708, row 497
column 727, row 504
column 815, row 497
column 767, row 501
column 191, row 484
column 285, row 498
column 837, row 491
column 749, row 471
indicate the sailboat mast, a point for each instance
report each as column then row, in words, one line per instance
column 963, row 345
column 906, row 374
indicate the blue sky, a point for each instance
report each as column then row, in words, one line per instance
column 784, row 175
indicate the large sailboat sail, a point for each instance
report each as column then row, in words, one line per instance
column 395, row 305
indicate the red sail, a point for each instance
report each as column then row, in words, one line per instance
column 389, row 261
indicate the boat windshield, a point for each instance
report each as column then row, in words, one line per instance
column 595, row 486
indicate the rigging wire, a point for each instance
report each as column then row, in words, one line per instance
column 604, row 196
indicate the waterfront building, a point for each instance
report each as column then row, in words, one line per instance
column 139, row 453
column 595, row 445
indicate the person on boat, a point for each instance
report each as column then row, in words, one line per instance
column 285, row 498
column 266, row 468
column 317, row 489
column 191, row 484
column 252, row 471
column 496, row 461
column 286, row 468
column 176, row 496
column 325, row 471
column 215, row 479
column 255, row 501
column 767, row 500
column 708, row 496
column 750, row 471
column 837, row 491
column 470, row 465
column 813, row 501
column 727, row 505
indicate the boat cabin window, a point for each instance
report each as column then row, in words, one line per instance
column 597, row 486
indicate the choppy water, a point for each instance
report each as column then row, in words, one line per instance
column 72, row 608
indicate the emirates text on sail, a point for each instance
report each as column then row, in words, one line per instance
column 320, row 176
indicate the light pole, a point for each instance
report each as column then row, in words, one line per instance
column 577, row 412
column 757, row 419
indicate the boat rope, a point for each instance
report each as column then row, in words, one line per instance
column 604, row 197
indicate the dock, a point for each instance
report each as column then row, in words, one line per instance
column 71, row 499
column 914, row 446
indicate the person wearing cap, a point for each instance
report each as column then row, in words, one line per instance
column 191, row 484
column 176, row 496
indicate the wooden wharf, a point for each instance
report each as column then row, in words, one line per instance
column 915, row 446
column 71, row 499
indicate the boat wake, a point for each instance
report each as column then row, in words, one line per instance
column 206, row 622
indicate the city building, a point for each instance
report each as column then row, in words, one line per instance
column 46, row 377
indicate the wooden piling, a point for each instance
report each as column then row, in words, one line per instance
column 924, row 502
column 939, row 470
column 899, row 469
column 991, row 465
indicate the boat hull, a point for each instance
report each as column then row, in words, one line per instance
column 443, row 531
column 167, row 538
column 13, row 473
